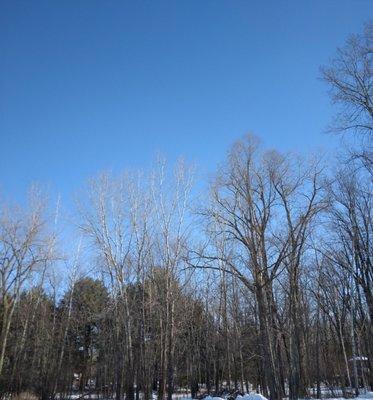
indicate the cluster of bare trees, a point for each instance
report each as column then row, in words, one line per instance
column 264, row 284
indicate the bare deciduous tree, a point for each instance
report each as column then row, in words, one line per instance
column 350, row 77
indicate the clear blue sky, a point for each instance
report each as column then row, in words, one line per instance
column 91, row 85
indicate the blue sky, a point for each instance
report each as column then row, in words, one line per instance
column 93, row 85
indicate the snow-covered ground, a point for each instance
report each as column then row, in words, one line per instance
column 251, row 396
column 362, row 395
column 256, row 396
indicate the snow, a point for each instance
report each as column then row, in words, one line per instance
column 213, row 398
column 358, row 358
column 252, row 396
column 257, row 396
column 367, row 395
column 362, row 395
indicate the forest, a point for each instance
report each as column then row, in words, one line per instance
column 261, row 282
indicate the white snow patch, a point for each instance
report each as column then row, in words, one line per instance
column 358, row 358
column 213, row 398
column 367, row 395
column 253, row 396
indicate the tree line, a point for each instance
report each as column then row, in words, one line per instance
column 263, row 283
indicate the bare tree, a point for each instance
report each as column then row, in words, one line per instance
column 351, row 247
column 263, row 209
column 300, row 188
column 24, row 248
column 350, row 78
column 171, row 196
